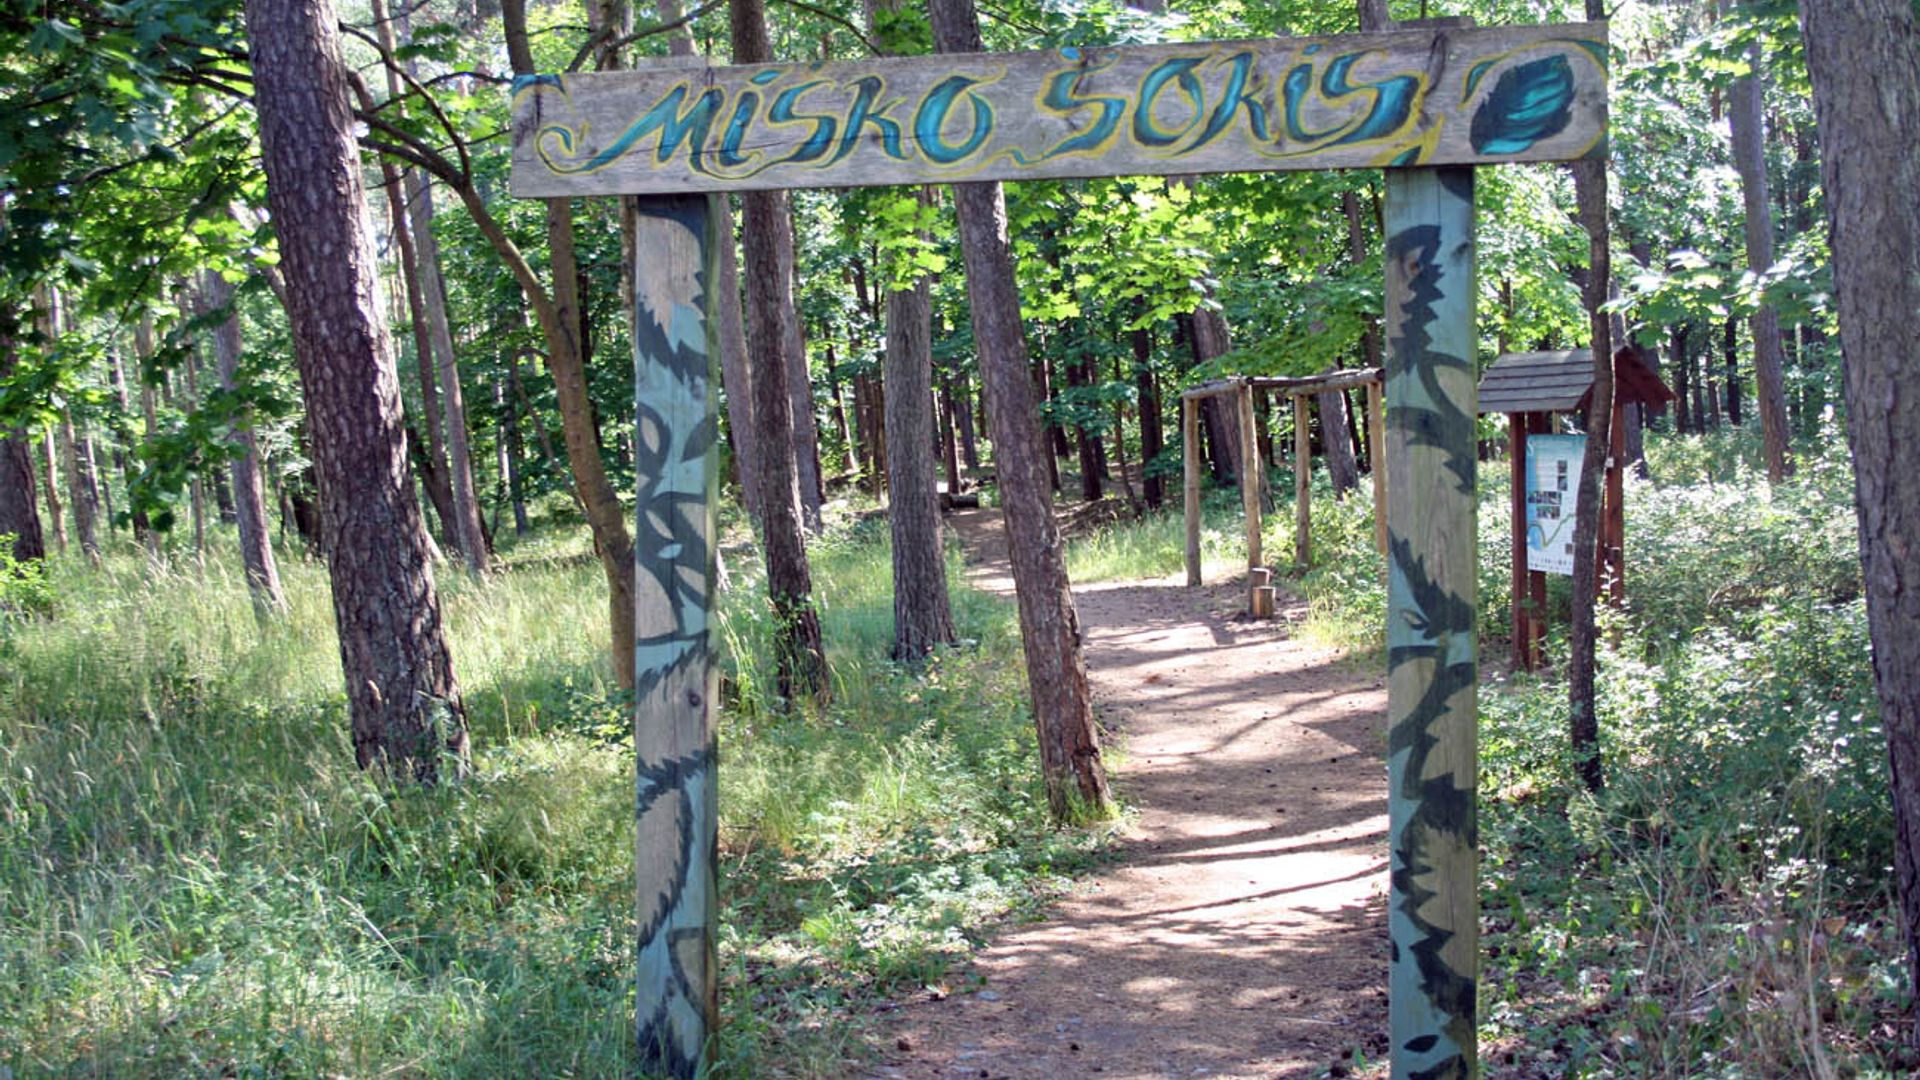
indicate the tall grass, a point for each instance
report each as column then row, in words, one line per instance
column 195, row 880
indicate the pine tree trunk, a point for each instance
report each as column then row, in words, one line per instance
column 806, row 428
column 1750, row 161
column 969, row 442
column 1049, row 627
column 49, row 483
column 922, row 618
column 1152, row 486
column 402, row 697
column 250, row 500
column 766, row 228
column 1336, row 437
column 19, row 512
column 453, row 405
column 1866, row 95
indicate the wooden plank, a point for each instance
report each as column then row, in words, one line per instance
column 1433, row 902
column 675, row 267
column 1316, row 384
column 1250, row 470
column 1404, row 97
column 1302, row 485
column 1190, row 484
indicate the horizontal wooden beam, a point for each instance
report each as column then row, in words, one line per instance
column 1305, row 384
column 1422, row 96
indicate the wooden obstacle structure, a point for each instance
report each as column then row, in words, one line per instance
column 1244, row 390
column 1530, row 388
column 1426, row 102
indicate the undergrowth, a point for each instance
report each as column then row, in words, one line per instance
column 1723, row 908
column 195, row 880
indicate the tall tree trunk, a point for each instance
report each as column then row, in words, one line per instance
column 1049, row 626
column 969, row 442
column 250, row 500
column 922, row 617
column 513, row 447
column 1085, row 437
column 430, row 455
column 1590, row 192
column 75, row 457
column 1682, row 368
column 1865, row 67
column 1152, row 485
column 949, row 444
column 117, row 372
column 806, row 427
column 1750, row 161
column 453, row 405
column 735, row 371
column 50, row 485
column 19, row 511
column 564, row 325
column 1730, row 356
column 766, row 229
column 401, row 692
column 150, row 417
column 197, row 487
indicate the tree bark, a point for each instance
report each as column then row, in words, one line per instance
column 402, row 697
column 19, row 512
column 806, row 427
column 1749, row 159
column 1865, row 67
column 1590, row 191
column 50, row 484
column 1152, row 486
column 453, row 405
column 249, row 498
column 768, row 257
column 1049, row 627
column 922, row 617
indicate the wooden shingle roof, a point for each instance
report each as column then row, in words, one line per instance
column 1561, row 381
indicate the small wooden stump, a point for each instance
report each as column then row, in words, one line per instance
column 1260, row 592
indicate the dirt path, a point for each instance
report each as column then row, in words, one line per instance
column 1242, row 933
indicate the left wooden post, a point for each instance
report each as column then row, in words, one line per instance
column 674, row 278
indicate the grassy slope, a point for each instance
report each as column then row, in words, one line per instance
column 194, row 879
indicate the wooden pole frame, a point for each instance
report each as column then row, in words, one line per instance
column 1302, row 485
column 660, row 133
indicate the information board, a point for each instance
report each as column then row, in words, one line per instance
column 1553, row 484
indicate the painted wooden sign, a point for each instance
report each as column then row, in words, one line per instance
column 1408, row 97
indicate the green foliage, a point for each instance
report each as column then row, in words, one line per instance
column 194, row 876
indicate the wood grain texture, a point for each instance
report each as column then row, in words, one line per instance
column 1433, row 902
column 675, row 268
column 1404, row 97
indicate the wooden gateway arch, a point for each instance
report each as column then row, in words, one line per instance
column 1426, row 102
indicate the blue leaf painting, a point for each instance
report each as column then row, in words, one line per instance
column 1531, row 102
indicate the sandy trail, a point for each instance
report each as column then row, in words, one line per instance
column 1242, row 931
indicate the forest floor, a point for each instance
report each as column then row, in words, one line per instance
column 1240, row 931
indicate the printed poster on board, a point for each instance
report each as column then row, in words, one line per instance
column 1553, row 483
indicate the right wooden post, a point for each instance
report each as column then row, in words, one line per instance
column 1433, row 903
column 1523, row 658
column 1190, row 459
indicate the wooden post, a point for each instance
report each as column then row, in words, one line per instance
column 1518, row 605
column 1538, row 423
column 1250, row 472
column 1377, row 456
column 676, row 467
column 1190, row 459
column 1302, row 485
column 1433, row 903
column 1260, row 592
